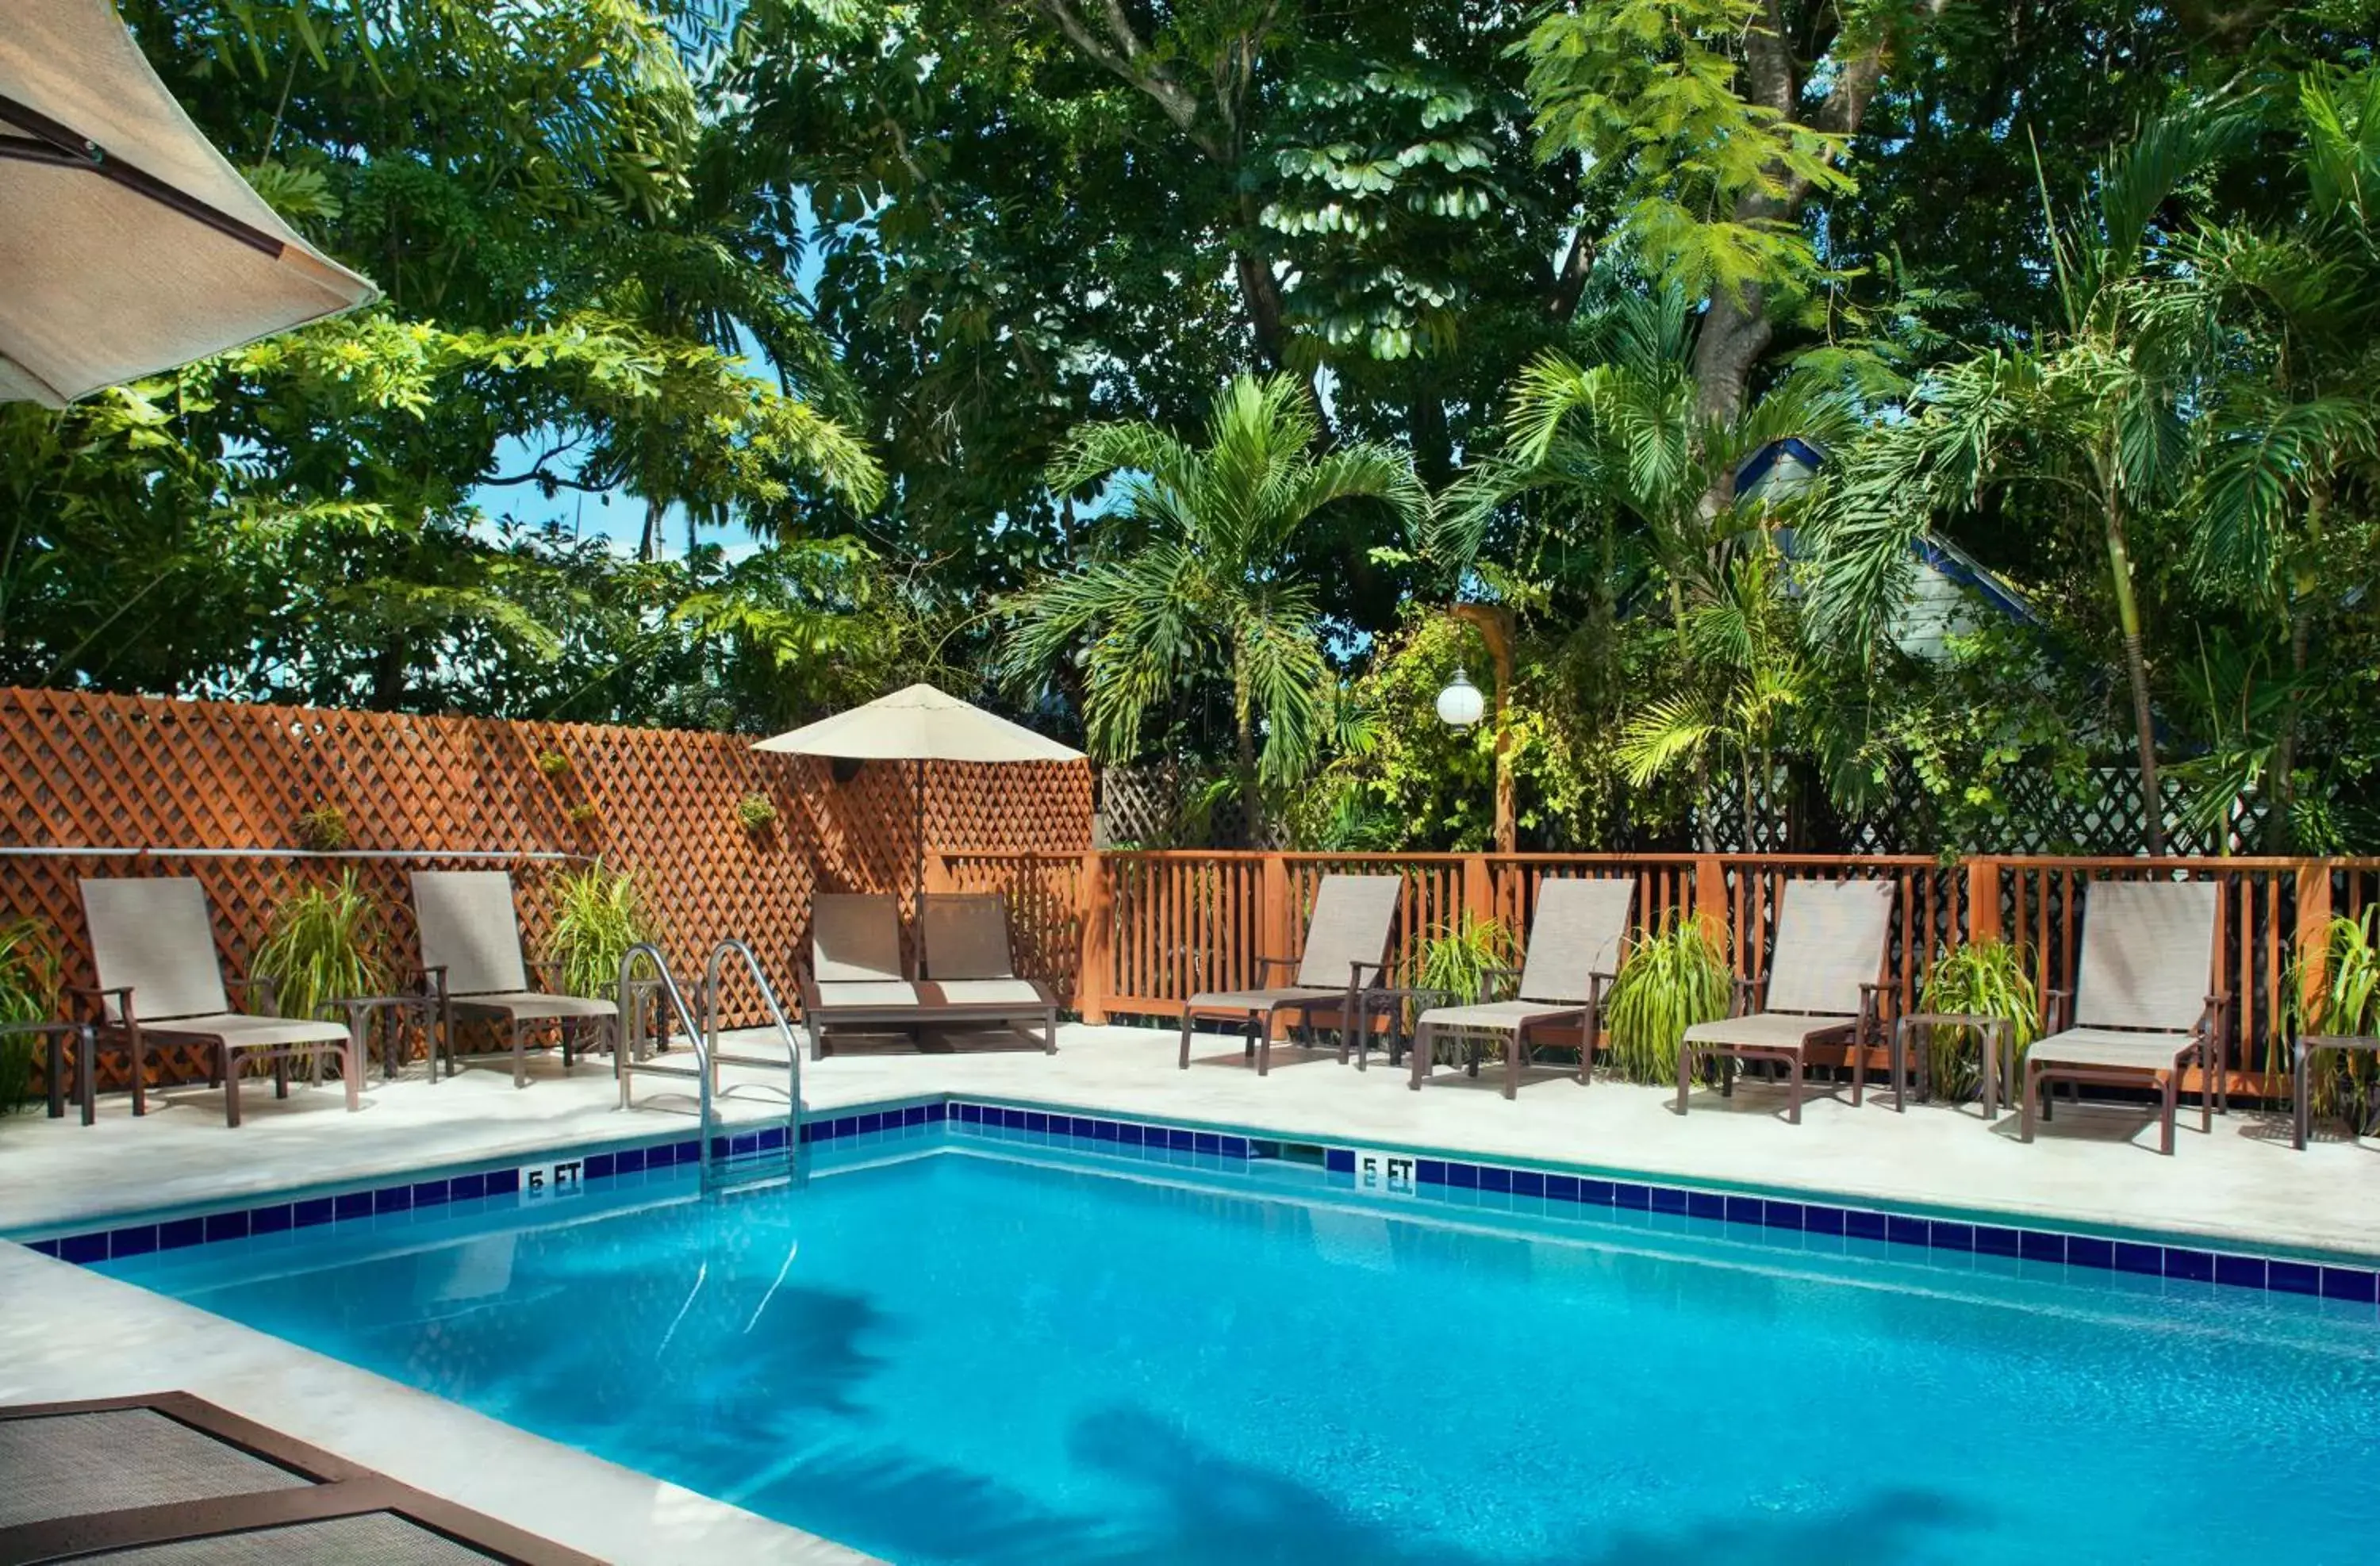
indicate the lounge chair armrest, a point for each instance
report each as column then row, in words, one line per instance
column 1875, row 999
column 1264, row 962
column 1746, row 994
column 2061, row 1010
column 1492, row 976
column 121, row 995
column 1355, row 979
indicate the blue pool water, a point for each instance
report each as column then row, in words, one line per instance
column 988, row 1354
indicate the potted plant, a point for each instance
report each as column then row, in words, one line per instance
column 325, row 943
column 322, row 828
column 31, row 966
column 1984, row 979
column 598, row 915
column 553, row 763
column 2346, row 1003
column 1666, row 983
column 755, row 812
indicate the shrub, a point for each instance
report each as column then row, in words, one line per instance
column 2343, row 1082
column 323, row 827
column 29, row 968
column 1668, row 983
column 598, row 916
column 1988, row 977
column 325, row 943
column 755, row 812
column 583, row 815
column 553, row 763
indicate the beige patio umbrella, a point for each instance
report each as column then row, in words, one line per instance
column 127, row 244
column 919, row 724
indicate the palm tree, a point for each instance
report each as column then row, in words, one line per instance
column 1209, row 585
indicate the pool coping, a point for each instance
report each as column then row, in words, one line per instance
column 1422, row 1171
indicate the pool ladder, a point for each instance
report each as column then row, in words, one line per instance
column 718, row 1171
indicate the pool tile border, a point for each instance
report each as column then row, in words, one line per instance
column 1436, row 1181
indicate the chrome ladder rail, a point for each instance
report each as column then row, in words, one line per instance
column 703, row 1035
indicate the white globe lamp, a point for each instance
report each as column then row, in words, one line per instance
column 1459, row 705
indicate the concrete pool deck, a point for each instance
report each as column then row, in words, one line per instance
column 2097, row 1165
column 71, row 1333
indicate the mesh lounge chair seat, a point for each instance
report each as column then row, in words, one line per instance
column 1346, row 938
column 1822, row 988
column 2143, row 1008
column 1575, row 939
column 471, row 956
column 159, row 979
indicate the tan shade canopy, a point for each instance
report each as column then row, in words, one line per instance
column 919, row 724
column 127, row 244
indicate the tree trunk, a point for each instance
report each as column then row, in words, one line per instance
column 2127, row 614
column 651, row 548
column 2280, row 832
column 1243, row 734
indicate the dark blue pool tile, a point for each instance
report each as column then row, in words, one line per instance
column 2192, row 1267
column 1427, row 1171
column 2293, row 1277
column 1598, row 1192
column 1631, row 1197
column 1706, row 1204
column 914, row 1115
column 46, row 1247
column 809, row 1131
column 719, row 1148
column 2242, row 1272
column 506, row 1182
column 1781, row 1215
column 1338, row 1160
column 1668, row 1198
column 2147, row 1259
column 1861, row 1224
column 1130, row 1132
column 1561, row 1188
column 468, row 1187
column 632, row 1161
column 1238, row 1147
column 1207, row 1143
column 176, row 1234
column 269, row 1220
column 224, row 1226
column 870, row 1123
column 601, row 1166
column 2350, row 1283
column 1493, row 1177
column 772, row 1139
column 1902, row 1231
column 1462, row 1176
column 966, row 1114
column 1743, row 1209
column 1819, row 1219
column 82, row 1249
column 2034, row 1245
column 1106, row 1131
column 937, row 1112
column 317, row 1210
column 137, row 1241
column 352, row 1204
column 1528, row 1182
column 2085, row 1250
column 738, row 1147
column 1944, row 1235
column 1034, row 1121
column 1991, row 1240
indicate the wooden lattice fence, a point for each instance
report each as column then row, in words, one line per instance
column 123, row 785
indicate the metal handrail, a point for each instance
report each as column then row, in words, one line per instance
column 704, row 1037
column 711, row 1008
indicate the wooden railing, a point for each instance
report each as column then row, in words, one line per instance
column 1137, row 934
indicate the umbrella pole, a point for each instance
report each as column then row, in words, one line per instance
column 921, row 765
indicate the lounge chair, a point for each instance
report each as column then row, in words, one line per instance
column 1346, row 938
column 471, row 959
column 1574, row 945
column 1822, row 988
column 160, row 981
column 970, row 973
column 2142, row 1007
column 168, row 1476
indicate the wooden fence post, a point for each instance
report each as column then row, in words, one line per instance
column 2312, row 940
column 1982, row 898
column 1096, row 903
column 1710, row 905
column 1278, row 923
column 1478, row 888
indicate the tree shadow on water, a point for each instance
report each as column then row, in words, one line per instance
column 1219, row 1507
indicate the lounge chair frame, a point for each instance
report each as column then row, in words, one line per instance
column 1749, row 999
column 1341, row 906
column 1556, row 1009
column 2164, row 1052
column 179, row 900
column 498, row 975
column 929, row 1005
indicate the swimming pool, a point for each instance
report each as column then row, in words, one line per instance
column 970, row 1348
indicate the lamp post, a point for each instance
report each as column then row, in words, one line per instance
column 1458, row 704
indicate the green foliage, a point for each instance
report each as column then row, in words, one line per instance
column 1670, row 981
column 323, row 827
column 597, row 917
column 1461, row 958
column 1984, row 979
column 2347, row 1002
column 755, row 812
column 32, row 967
column 327, row 943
